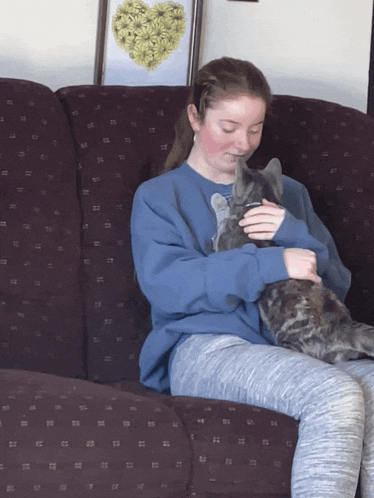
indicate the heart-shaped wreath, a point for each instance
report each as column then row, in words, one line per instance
column 148, row 35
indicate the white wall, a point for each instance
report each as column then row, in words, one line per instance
column 318, row 48
column 49, row 41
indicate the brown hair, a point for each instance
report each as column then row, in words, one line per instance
column 216, row 80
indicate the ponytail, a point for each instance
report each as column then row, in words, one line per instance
column 182, row 144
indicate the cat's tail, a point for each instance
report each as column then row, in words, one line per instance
column 361, row 336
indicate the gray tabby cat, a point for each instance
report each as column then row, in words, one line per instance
column 301, row 315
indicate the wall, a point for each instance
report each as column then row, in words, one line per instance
column 48, row 41
column 315, row 49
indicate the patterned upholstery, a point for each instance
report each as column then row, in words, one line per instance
column 41, row 315
column 238, row 451
column 122, row 135
column 70, row 163
column 66, row 437
column 72, row 438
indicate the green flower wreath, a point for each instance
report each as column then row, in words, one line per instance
column 148, row 35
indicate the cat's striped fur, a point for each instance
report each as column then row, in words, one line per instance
column 301, row 315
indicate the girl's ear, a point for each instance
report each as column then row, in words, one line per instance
column 193, row 117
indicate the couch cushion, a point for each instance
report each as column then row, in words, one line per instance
column 41, row 314
column 73, row 438
column 122, row 136
column 238, row 451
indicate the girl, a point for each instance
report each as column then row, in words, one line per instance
column 207, row 339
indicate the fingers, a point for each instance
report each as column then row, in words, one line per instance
column 249, row 223
column 261, row 231
column 312, row 275
column 310, row 262
column 265, row 202
column 262, row 222
column 314, row 278
column 301, row 264
column 269, row 209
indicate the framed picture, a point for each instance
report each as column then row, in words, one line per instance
column 147, row 42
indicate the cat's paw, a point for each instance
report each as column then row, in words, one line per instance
column 221, row 208
column 220, row 205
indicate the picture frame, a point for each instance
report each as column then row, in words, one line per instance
column 147, row 42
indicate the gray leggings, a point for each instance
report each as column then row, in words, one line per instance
column 334, row 404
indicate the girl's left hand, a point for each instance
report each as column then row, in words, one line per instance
column 261, row 223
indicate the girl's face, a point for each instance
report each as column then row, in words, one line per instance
column 232, row 128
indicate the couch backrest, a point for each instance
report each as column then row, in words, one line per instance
column 40, row 306
column 69, row 301
column 122, row 137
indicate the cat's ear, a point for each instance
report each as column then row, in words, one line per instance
column 273, row 173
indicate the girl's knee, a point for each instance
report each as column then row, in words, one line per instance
column 339, row 397
column 348, row 387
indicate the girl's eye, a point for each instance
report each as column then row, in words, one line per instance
column 225, row 130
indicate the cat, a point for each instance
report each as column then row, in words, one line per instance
column 300, row 315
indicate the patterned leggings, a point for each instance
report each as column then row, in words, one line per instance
column 334, row 404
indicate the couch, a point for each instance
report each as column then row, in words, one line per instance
column 74, row 420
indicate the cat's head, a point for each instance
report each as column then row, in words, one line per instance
column 252, row 186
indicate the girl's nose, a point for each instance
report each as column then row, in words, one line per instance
column 243, row 142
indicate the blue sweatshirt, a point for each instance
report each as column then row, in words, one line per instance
column 194, row 290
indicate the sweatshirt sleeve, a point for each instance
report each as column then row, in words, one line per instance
column 305, row 230
column 178, row 278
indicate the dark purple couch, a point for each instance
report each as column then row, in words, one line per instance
column 74, row 421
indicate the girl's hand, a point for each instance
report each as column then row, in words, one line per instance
column 261, row 223
column 301, row 264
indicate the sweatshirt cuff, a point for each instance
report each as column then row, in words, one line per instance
column 291, row 232
column 241, row 274
column 271, row 264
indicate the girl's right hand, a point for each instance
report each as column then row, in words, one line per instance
column 301, row 264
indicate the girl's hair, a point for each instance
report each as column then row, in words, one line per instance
column 219, row 79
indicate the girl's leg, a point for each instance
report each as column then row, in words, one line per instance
column 328, row 403
column 363, row 372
